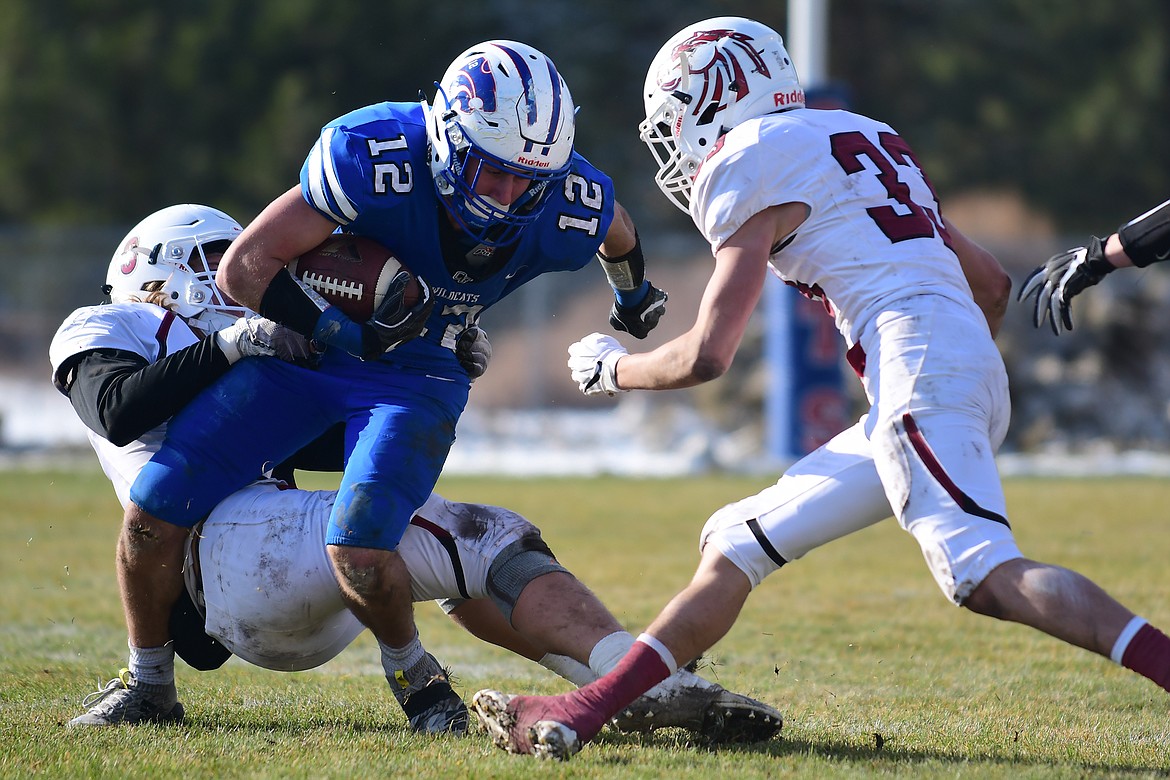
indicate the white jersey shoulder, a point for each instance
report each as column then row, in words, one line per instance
column 874, row 232
column 142, row 328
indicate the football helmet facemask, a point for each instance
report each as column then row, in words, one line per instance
column 708, row 78
column 171, row 247
column 500, row 104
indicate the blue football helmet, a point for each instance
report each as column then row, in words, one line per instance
column 504, row 105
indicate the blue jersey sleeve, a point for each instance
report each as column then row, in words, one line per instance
column 362, row 161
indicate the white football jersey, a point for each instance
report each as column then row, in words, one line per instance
column 874, row 232
column 142, row 328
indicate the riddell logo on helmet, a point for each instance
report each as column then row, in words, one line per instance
column 788, row 98
column 533, row 162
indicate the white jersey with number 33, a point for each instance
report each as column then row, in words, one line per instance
column 874, row 233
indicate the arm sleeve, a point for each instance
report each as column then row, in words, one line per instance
column 1146, row 239
column 121, row 396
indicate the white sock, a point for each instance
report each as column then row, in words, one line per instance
column 153, row 665
column 609, row 650
column 571, row 669
column 396, row 660
column 1125, row 637
column 666, row 656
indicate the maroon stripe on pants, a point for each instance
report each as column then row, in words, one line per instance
column 965, row 502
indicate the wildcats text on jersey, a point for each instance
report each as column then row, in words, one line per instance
column 455, row 296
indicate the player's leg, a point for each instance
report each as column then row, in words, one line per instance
column 1055, row 600
column 259, row 567
column 971, row 552
column 216, row 444
column 557, row 726
column 829, row 494
column 522, row 599
column 398, row 436
column 942, row 413
column 149, row 560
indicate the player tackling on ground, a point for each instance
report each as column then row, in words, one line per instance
column 838, row 206
column 477, row 194
column 259, row 584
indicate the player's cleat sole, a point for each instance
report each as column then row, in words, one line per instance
column 735, row 719
column 501, row 715
column 713, row 713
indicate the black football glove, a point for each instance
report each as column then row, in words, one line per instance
column 639, row 320
column 1060, row 279
column 473, row 351
column 393, row 322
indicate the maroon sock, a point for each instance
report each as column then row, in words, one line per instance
column 1148, row 654
column 594, row 704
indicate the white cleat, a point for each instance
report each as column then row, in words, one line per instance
column 707, row 710
column 511, row 728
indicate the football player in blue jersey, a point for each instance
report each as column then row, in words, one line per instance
column 507, row 199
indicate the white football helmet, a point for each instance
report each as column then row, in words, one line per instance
column 708, row 78
column 171, row 246
column 501, row 103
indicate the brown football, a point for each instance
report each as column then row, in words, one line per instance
column 353, row 273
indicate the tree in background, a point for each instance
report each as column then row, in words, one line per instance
column 112, row 108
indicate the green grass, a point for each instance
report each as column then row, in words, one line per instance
column 876, row 673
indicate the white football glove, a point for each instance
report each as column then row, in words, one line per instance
column 261, row 337
column 593, row 361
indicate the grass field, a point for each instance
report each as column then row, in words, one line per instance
column 875, row 672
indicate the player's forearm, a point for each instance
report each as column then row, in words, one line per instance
column 1144, row 240
column 677, row 364
column 284, row 230
column 121, row 397
column 1115, row 254
column 990, row 284
column 246, row 273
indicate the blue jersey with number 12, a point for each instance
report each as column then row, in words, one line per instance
column 369, row 173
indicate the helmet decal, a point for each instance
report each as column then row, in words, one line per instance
column 531, row 106
column 723, row 58
column 131, row 255
column 474, row 88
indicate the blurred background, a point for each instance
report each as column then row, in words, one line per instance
column 1039, row 122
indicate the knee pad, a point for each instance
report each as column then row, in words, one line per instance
column 517, row 565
